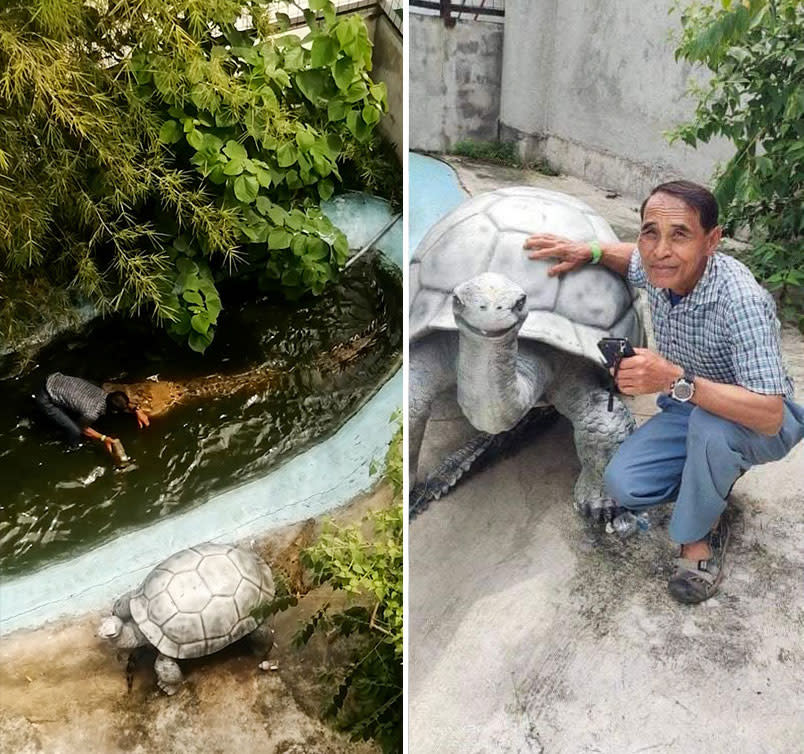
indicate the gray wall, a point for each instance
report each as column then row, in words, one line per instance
column 602, row 86
column 590, row 85
column 387, row 67
column 454, row 81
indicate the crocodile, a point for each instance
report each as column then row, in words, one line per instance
column 157, row 397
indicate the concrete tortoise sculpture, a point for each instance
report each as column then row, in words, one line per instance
column 489, row 321
column 194, row 603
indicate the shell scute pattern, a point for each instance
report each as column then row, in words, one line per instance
column 487, row 233
column 200, row 599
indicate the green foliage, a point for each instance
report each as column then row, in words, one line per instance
column 755, row 98
column 494, row 151
column 140, row 129
column 368, row 702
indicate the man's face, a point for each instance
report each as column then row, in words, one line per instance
column 673, row 244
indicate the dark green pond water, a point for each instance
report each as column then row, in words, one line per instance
column 55, row 501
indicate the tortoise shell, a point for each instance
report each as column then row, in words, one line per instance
column 487, row 233
column 200, row 599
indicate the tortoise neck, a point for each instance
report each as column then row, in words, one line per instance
column 496, row 386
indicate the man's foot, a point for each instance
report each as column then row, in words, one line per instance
column 697, row 580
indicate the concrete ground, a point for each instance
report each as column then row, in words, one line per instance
column 533, row 631
column 63, row 690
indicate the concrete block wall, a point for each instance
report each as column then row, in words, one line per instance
column 589, row 85
column 455, row 77
column 387, row 67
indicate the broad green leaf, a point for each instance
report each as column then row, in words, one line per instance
column 304, row 139
column 292, row 180
column 216, row 174
column 294, row 59
column 299, row 244
column 263, row 204
column 246, row 188
column 334, row 144
column 324, row 52
column 325, row 189
column 312, row 84
column 295, row 219
column 199, row 342
column 344, row 73
column 233, row 167
column 263, row 178
column 286, row 155
column 316, row 248
column 235, row 151
column 277, row 215
column 283, row 21
column 336, row 109
column 371, row 114
column 195, row 139
column 171, row 132
column 279, row 238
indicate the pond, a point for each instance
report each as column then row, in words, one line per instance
column 434, row 191
column 58, row 502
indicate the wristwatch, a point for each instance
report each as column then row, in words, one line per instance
column 683, row 388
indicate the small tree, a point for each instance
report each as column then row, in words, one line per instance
column 150, row 147
column 755, row 98
column 368, row 702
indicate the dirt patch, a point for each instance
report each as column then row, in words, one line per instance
column 64, row 690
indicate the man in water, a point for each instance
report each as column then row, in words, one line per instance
column 74, row 404
column 726, row 400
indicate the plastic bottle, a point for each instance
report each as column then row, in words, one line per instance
column 628, row 523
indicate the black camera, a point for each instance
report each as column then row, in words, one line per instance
column 614, row 350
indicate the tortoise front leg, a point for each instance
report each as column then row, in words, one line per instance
column 578, row 395
column 431, row 371
column 168, row 674
column 262, row 640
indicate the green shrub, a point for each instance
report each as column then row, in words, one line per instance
column 503, row 153
column 150, row 148
column 755, row 98
column 494, row 151
column 368, row 702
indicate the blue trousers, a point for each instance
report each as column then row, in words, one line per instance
column 686, row 454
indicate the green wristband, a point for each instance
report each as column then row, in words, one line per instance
column 597, row 252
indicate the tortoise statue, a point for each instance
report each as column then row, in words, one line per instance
column 510, row 346
column 194, row 603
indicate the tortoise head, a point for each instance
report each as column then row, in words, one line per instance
column 489, row 305
column 123, row 634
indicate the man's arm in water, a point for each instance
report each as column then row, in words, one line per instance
column 95, row 435
column 572, row 254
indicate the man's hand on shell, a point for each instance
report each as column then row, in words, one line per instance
column 647, row 372
column 571, row 254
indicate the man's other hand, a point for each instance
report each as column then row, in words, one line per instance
column 571, row 254
column 646, row 372
column 142, row 418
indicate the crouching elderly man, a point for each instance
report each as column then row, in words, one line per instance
column 725, row 398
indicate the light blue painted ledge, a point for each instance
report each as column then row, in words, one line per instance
column 324, row 477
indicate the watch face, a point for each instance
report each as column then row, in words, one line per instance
column 682, row 390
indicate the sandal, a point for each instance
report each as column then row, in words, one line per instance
column 697, row 580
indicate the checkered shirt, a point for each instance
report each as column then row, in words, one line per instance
column 725, row 329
